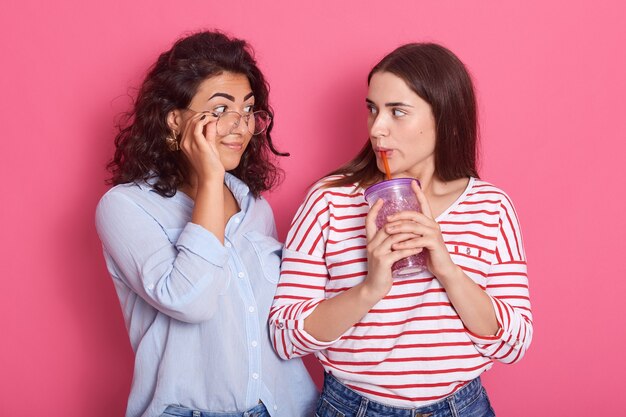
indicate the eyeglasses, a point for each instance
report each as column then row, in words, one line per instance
column 228, row 121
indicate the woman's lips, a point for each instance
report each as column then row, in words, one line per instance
column 235, row 146
column 387, row 152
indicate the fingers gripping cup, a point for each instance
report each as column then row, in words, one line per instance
column 397, row 196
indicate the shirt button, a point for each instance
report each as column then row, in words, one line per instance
column 237, row 220
column 241, row 275
column 281, row 325
column 251, row 309
column 151, row 287
column 254, row 343
column 255, row 376
column 227, row 244
column 275, row 407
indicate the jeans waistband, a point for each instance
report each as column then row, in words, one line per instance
column 256, row 411
column 349, row 397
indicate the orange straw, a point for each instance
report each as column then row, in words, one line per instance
column 383, row 155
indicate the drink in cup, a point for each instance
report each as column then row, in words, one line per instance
column 397, row 196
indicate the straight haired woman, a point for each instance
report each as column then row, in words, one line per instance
column 412, row 346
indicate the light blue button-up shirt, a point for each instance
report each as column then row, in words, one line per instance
column 196, row 311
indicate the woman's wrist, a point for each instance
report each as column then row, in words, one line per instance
column 371, row 294
column 215, row 180
column 451, row 276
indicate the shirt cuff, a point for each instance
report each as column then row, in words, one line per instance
column 303, row 338
column 203, row 243
column 488, row 340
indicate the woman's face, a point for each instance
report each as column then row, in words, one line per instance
column 221, row 93
column 401, row 123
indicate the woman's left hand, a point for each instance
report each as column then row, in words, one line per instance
column 428, row 235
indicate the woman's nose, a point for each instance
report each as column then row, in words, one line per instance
column 241, row 125
column 379, row 127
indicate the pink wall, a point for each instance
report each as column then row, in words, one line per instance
column 550, row 78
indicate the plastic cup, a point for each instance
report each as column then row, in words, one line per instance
column 397, row 196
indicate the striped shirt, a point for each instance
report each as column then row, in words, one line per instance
column 412, row 348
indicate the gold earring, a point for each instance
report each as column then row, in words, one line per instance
column 172, row 142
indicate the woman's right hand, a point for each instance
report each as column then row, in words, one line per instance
column 380, row 255
column 199, row 144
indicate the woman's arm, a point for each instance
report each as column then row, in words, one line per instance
column 507, row 287
column 471, row 303
column 333, row 317
column 182, row 280
column 208, row 173
column 497, row 318
column 302, row 318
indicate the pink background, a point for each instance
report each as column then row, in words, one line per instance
column 550, row 80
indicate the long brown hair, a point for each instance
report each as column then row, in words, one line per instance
column 141, row 150
column 436, row 75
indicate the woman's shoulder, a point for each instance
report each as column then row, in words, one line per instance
column 262, row 209
column 486, row 191
column 129, row 191
column 328, row 185
column 120, row 198
column 325, row 189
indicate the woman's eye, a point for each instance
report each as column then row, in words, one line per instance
column 248, row 109
column 219, row 109
column 398, row 113
column 371, row 110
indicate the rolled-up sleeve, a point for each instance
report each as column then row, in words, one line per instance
column 303, row 279
column 507, row 285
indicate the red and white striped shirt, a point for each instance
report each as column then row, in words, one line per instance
column 412, row 348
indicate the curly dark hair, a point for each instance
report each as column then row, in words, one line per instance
column 141, row 151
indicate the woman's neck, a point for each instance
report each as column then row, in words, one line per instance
column 190, row 187
column 429, row 181
column 440, row 194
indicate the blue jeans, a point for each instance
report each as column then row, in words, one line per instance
column 337, row 400
column 176, row 411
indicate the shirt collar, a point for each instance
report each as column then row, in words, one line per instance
column 239, row 189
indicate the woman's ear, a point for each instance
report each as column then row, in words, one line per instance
column 175, row 121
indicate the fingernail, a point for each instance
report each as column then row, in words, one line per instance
column 203, row 117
